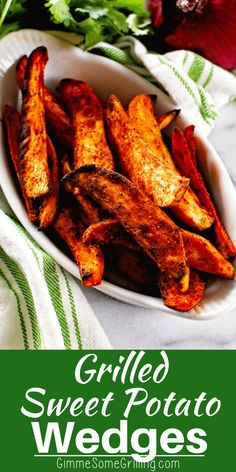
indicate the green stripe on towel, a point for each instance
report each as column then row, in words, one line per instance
column 24, row 287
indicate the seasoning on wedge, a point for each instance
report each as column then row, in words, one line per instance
column 138, row 161
column 166, row 119
column 88, row 257
column 203, row 256
column 176, row 300
column 90, row 145
column 188, row 167
column 91, row 213
column 49, row 205
column 34, row 167
column 200, row 253
column 57, row 120
column 12, row 122
column 189, row 209
column 150, row 227
column 110, row 232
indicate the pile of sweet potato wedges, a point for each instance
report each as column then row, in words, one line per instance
column 102, row 176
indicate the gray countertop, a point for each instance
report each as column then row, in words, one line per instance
column 130, row 327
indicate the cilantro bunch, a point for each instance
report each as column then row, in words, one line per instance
column 96, row 20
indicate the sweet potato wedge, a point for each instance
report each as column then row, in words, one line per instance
column 91, row 213
column 166, row 119
column 176, row 300
column 110, row 232
column 141, row 113
column 137, row 160
column 190, row 139
column 186, row 165
column 200, row 253
column 88, row 257
column 49, row 205
column 151, row 228
column 57, row 119
column 20, row 72
column 12, row 122
column 189, row 209
column 90, row 145
column 136, row 267
column 203, row 256
column 35, row 173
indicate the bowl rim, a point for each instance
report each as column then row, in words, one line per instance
column 11, row 194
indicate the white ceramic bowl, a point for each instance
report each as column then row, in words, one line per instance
column 107, row 77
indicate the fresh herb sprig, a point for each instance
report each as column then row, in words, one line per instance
column 96, row 20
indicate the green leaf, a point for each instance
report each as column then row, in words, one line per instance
column 8, row 28
column 96, row 20
column 11, row 9
column 94, row 13
column 60, row 11
column 134, row 6
column 139, row 26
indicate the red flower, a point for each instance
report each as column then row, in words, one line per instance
column 205, row 26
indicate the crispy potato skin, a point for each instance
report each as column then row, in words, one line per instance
column 200, row 253
column 91, row 214
column 20, row 72
column 186, row 165
column 166, row 119
column 110, row 232
column 191, row 143
column 12, row 121
column 88, row 257
column 137, row 267
column 57, row 119
column 138, row 162
column 33, row 153
column 141, row 113
column 190, row 212
column 176, row 300
column 49, row 205
column 189, row 209
column 90, row 145
column 203, row 256
column 151, row 228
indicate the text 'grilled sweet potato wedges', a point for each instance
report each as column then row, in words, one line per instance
column 90, row 146
column 137, row 160
column 187, row 166
column 151, row 228
column 189, row 209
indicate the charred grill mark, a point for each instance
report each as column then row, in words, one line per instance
column 152, row 229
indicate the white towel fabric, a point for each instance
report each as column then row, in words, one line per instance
column 42, row 306
column 196, row 85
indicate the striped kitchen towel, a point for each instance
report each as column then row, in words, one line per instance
column 41, row 305
column 193, row 83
